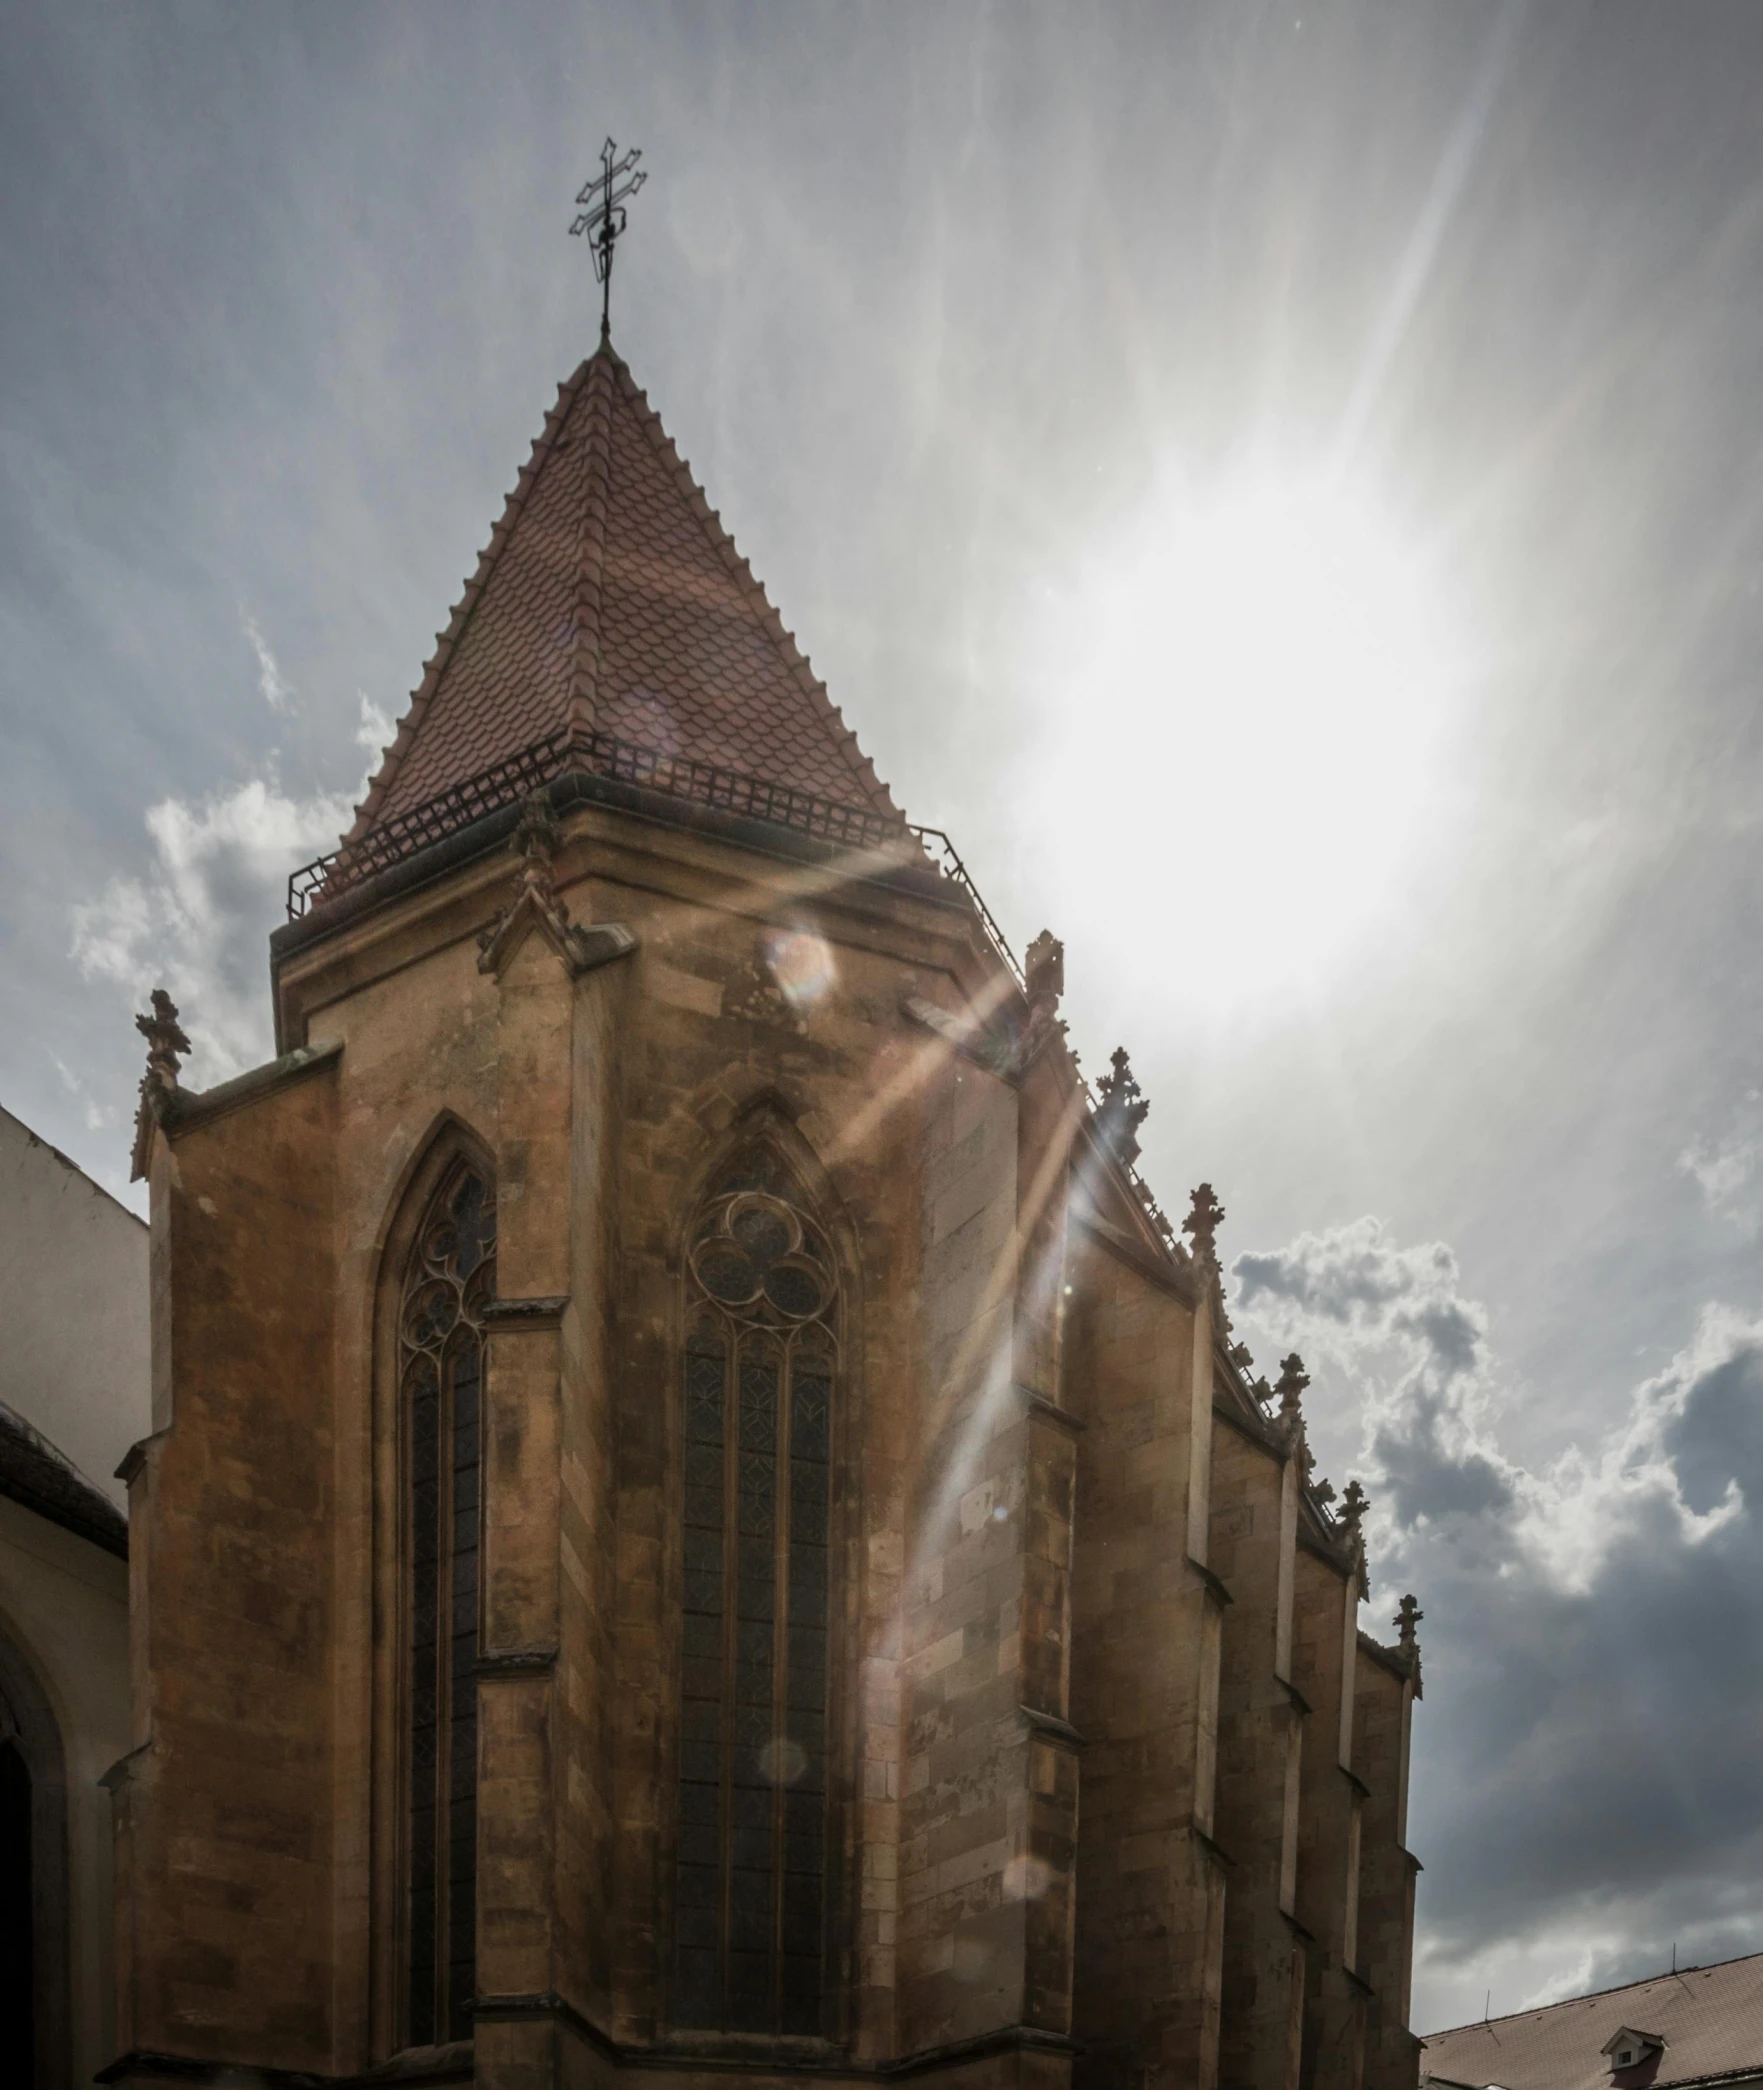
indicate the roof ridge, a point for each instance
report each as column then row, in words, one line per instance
column 590, row 576
column 1592, row 1995
column 845, row 737
column 73, row 1168
column 447, row 640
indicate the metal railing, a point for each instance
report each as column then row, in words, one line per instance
column 508, row 782
column 956, row 871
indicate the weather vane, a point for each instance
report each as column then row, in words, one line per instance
column 601, row 218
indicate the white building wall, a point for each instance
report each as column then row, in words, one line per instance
column 73, row 1304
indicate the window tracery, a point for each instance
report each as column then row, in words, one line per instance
column 450, row 1276
column 757, row 1388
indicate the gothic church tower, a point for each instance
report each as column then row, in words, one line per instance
column 699, row 1519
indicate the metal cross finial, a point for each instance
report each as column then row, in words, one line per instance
column 601, row 217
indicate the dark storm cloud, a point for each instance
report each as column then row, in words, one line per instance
column 1356, row 1290
column 1425, row 1476
column 1594, row 1672
column 1358, row 1279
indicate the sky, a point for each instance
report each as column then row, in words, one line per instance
column 1278, row 484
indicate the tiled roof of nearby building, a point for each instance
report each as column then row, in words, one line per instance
column 1710, row 2019
column 611, row 600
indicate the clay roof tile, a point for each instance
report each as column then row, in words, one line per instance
column 611, row 598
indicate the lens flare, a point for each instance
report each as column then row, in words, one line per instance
column 802, row 965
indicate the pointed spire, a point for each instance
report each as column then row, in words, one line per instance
column 611, row 606
column 1406, row 1622
column 1043, row 974
column 1293, row 1379
column 1354, row 1504
column 167, row 1045
column 1043, row 970
column 1205, row 1217
column 537, row 839
column 1122, row 1110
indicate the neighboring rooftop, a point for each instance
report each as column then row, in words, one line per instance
column 610, row 601
column 33, row 1472
column 1710, row 2020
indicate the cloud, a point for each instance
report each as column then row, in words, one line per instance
column 374, row 734
column 1351, row 1296
column 1585, row 1786
column 272, row 685
column 196, row 921
column 1729, row 1170
column 98, row 1117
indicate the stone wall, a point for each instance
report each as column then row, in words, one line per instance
column 1075, row 1625
column 1387, row 1685
column 1324, row 1653
column 227, row 1806
column 1145, row 1642
column 1260, row 1742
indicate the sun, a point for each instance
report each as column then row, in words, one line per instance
column 1248, row 694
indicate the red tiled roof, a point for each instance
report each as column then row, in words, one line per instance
column 611, row 598
column 1710, row 2018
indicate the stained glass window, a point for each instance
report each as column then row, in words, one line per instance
column 451, row 1274
column 749, row 1903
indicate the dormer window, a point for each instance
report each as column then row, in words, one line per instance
column 1626, row 2048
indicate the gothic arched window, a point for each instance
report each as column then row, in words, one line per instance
column 749, row 1913
column 450, row 1276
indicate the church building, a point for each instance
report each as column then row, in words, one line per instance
column 699, row 1520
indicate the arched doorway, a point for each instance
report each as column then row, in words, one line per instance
column 35, row 2003
column 18, row 2003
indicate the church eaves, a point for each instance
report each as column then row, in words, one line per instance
column 610, row 605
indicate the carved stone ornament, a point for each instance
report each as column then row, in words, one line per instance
column 1406, row 1621
column 1353, row 1506
column 997, row 1051
column 1122, row 1110
column 166, row 1046
column 537, row 906
column 1043, row 984
column 1293, row 1379
column 1044, row 971
column 753, row 995
column 1205, row 1217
